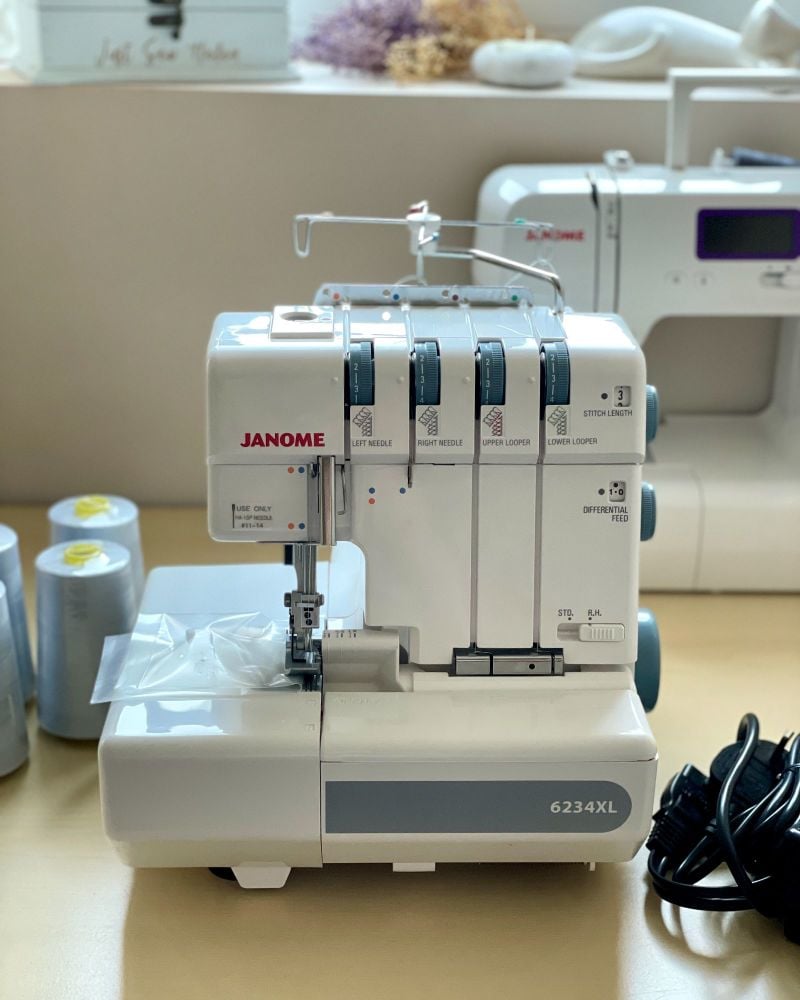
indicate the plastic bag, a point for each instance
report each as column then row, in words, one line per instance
column 193, row 655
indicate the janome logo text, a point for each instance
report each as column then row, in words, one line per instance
column 283, row 439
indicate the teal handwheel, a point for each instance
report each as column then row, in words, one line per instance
column 647, row 673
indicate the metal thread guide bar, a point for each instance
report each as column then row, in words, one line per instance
column 425, row 229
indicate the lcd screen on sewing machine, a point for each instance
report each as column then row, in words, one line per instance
column 748, row 234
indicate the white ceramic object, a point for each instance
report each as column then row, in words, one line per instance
column 645, row 42
column 771, row 34
column 523, row 62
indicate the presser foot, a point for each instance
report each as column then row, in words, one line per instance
column 303, row 653
column 301, row 661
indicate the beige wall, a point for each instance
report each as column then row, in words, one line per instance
column 564, row 17
column 130, row 216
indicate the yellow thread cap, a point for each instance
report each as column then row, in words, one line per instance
column 91, row 505
column 81, row 553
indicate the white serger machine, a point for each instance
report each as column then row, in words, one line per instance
column 485, row 455
column 703, row 264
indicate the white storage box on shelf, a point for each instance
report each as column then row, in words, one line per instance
column 65, row 41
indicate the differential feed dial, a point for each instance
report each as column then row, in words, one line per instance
column 648, row 527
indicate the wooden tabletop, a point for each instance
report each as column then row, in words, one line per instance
column 75, row 924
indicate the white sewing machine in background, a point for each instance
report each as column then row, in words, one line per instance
column 702, row 263
column 484, row 454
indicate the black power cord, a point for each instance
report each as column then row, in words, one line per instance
column 746, row 815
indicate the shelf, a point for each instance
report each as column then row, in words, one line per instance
column 322, row 81
column 314, row 80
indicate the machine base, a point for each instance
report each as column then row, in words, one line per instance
column 454, row 769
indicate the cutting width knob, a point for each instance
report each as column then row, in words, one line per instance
column 652, row 413
column 556, row 373
column 361, row 374
column 491, row 373
column 648, row 528
column 426, row 373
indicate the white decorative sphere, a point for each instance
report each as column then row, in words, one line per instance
column 523, row 62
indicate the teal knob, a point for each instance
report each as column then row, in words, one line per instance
column 556, row 373
column 426, row 373
column 491, row 373
column 652, row 411
column 647, row 672
column 648, row 525
column 361, row 374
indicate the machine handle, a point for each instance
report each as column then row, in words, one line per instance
column 683, row 83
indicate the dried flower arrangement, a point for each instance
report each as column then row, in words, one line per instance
column 410, row 39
